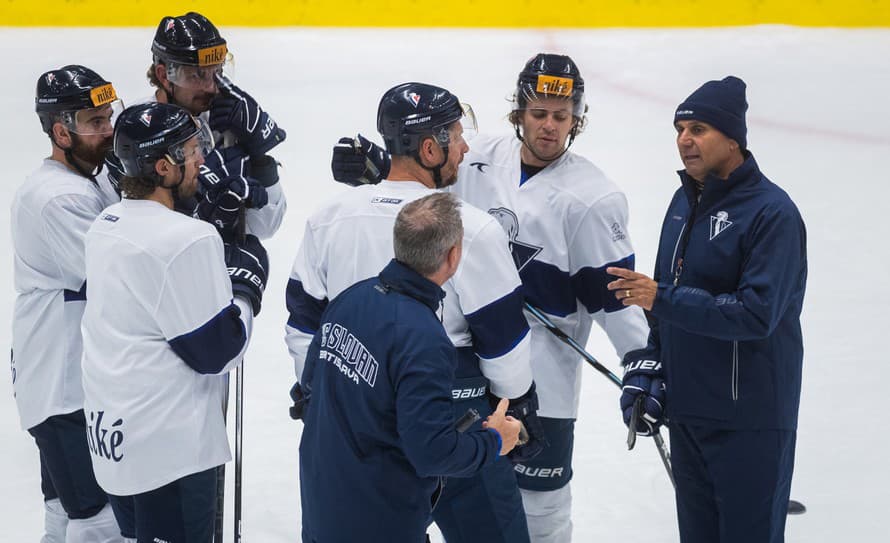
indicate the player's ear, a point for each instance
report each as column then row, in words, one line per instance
column 61, row 135
column 454, row 255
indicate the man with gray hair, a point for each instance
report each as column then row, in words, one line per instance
column 425, row 230
column 381, row 367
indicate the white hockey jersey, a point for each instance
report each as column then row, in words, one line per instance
column 51, row 213
column 159, row 329
column 263, row 222
column 566, row 224
column 351, row 238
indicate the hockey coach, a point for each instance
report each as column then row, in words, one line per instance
column 726, row 300
column 379, row 431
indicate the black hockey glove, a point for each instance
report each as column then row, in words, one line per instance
column 220, row 205
column 359, row 161
column 235, row 110
column 525, row 409
column 643, row 378
column 264, row 169
column 300, row 395
column 247, row 264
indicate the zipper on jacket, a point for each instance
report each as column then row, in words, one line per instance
column 684, row 241
column 735, row 370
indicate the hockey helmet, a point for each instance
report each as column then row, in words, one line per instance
column 411, row 112
column 548, row 75
column 62, row 93
column 189, row 39
column 146, row 133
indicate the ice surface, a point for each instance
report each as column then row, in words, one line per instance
column 819, row 125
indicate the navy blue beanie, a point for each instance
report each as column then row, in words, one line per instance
column 722, row 105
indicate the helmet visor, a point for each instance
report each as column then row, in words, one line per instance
column 468, row 122
column 446, row 135
column 200, row 77
column 93, row 121
column 195, row 147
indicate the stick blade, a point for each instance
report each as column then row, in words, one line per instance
column 796, row 508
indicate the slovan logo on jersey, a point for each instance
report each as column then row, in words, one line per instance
column 104, row 441
column 342, row 349
column 522, row 252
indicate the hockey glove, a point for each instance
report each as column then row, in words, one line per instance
column 300, row 395
column 264, row 169
column 235, row 110
column 525, row 409
column 359, row 161
column 221, row 204
column 247, row 264
column 643, row 378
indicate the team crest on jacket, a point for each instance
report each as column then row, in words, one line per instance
column 522, row 252
column 719, row 223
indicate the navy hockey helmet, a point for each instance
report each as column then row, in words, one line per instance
column 548, row 75
column 62, row 93
column 411, row 112
column 189, row 39
column 146, row 133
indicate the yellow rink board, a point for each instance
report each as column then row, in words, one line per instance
column 454, row 13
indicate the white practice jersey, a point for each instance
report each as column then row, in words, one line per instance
column 51, row 213
column 566, row 224
column 351, row 239
column 159, row 330
column 264, row 222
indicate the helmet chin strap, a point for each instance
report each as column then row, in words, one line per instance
column 572, row 135
column 435, row 170
column 174, row 189
column 72, row 160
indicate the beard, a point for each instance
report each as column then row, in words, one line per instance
column 93, row 155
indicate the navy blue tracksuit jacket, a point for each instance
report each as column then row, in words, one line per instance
column 731, row 272
column 379, row 427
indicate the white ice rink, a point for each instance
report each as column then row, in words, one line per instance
column 819, row 125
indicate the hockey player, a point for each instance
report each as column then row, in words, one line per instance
column 566, row 222
column 159, row 329
column 189, row 57
column 51, row 213
column 422, row 127
column 382, row 367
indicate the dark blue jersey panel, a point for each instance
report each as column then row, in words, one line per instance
column 589, row 285
column 76, row 295
column 548, row 288
column 499, row 326
column 210, row 347
column 305, row 311
column 557, row 293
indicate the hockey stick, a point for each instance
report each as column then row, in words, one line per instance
column 221, row 478
column 568, row 340
column 241, row 232
column 794, row 507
